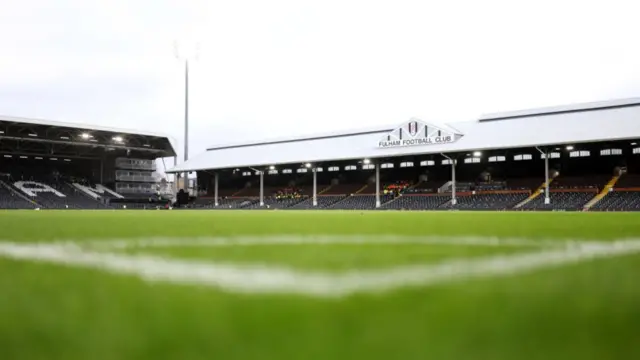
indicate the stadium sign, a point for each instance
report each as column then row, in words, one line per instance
column 32, row 188
column 415, row 132
column 97, row 191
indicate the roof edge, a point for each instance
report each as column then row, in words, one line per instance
column 36, row 121
column 562, row 109
column 335, row 134
column 180, row 168
column 33, row 121
column 329, row 135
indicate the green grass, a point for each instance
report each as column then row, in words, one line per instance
column 586, row 311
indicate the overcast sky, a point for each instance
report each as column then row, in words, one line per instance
column 288, row 67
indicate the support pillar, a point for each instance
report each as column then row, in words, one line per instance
column 261, row 188
column 315, row 188
column 215, row 190
column 454, row 201
column 377, row 185
column 547, row 197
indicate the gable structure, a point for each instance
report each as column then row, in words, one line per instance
column 583, row 124
column 416, row 132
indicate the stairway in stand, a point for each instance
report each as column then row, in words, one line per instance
column 534, row 194
column 604, row 192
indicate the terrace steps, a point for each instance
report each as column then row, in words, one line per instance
column 415, row 185
column 604, row 192
column 534, row 194
column 390, row 201
column 362, row 189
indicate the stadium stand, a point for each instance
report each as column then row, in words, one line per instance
column 490, row 201
column 619, row 201
column 344, row 189
column 54, row 165
column 64, row 197
column 359, row 202
column 324, row 201
column 417, row 202
column 224, row 203
column 624, row 195
column 275, row 203
column 425, row 187
column 11, row 199
column 524, row 183
column 580, row 182
column 562, row 200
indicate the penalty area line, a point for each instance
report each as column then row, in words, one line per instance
column 263, row 279
column 160, row 242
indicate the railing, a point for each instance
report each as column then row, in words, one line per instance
column 136, row 188
column 134, row 178
column 136, row 164
column 137, row 191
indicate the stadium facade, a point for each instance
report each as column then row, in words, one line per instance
column 541, row 143
column 49, row 164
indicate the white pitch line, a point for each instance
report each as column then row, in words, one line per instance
column 323, row 240
column 493, row 266
column 252, row 279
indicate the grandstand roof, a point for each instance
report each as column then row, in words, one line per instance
column 34, row 136
column 571, row 124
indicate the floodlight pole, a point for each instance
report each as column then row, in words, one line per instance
column 315, row 187
column 186, row 122
column 547, row 198
column 377, row 184
column 454, row 201
column 215, row 190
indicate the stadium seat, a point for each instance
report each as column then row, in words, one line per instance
column 274, row 203
column 417, row 202
column 502, row 201
column 10, row 200
column 562, row 200
column 324, row 201
column 359, row 202
column 619, row 201
column 225, row 203
column 57, row 195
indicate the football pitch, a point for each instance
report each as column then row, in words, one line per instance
column 319, row 285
